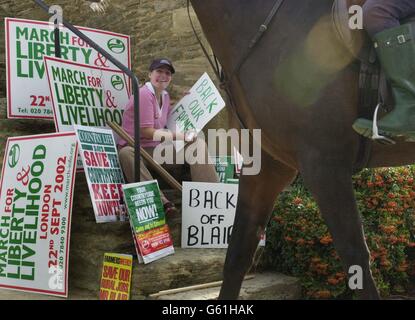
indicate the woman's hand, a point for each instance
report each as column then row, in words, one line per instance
column 190, row 136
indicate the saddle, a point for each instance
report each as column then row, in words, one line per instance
column 373, row 86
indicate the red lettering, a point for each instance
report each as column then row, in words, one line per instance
column 55, row 212
column 96, row 159
column 103, row 295
column 56, row 203
column 113, row 188
column 9, row 200
column 110, row 272
column 87, row 160
column 54, row 231
column 124, row 275
column 106, row 191
column 55, row 222
column 108, row 208
column 95, row 189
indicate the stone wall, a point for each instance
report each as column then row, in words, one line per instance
column 157, row 28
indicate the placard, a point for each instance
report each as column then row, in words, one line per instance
column 103, row 173
column 147, row 218
column 36, row 193
column 224, row 168
column 28, row 41
column 116, row 277
column 208, row 214
column 85, row 95
column 197, row 108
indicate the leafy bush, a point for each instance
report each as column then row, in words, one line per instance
column 298, row 242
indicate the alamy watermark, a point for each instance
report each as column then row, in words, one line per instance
column 57, row 16
column 356, row 277
column 202, row 151
column 356, row 20
column 56, row 280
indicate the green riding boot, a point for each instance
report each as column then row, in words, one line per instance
column 396, row 52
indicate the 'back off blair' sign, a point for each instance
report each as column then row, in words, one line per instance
column 208, row 214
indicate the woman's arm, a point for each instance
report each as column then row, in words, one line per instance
column 158, row 134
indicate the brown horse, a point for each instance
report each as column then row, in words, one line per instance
column 300, row 86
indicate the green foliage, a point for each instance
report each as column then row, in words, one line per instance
column 298, row 242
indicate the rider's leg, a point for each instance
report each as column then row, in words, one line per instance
column 379, row 15
column 396, row 51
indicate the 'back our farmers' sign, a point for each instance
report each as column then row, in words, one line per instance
column 197, row 108
column 28, row 41
column 35, row 212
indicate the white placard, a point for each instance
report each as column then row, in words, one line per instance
column 103, row 173
column 85, row 95
column 197, row 108
column 208, row 214
column 28, row 41
column 36, row 193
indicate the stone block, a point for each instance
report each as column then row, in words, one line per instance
column 264, row 286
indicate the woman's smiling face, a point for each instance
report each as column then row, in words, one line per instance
column 160, row 78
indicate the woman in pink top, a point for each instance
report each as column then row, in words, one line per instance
column 154, row 109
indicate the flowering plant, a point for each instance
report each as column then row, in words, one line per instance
column 298, row 241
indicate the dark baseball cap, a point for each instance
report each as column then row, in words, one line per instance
column 163, row 62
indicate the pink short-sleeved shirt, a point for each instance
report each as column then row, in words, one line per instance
column 151, row 115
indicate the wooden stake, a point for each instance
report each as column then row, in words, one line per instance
column 195, row 287
column 148, row 158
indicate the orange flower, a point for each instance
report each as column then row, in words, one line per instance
column 323, row 294
column 332, row 281
column 278, row 219
column 301, row 241
column 340, row 276
column 321, row 268
column 297, row 201
column 385, row 263
column 393, row 239
column 402, row 268
column 326, row 240
column 392, row 204
column 388, row 229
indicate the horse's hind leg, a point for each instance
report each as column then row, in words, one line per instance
column 255, row 203
column 332, row 187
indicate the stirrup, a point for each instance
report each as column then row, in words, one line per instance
column 375, row 132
